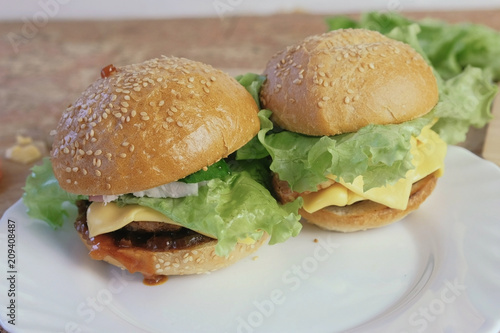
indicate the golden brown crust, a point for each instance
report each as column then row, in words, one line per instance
column 195, row 260
column 343, row 80
column 368, row 214
column 150, row 124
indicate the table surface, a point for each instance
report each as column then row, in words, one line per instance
column 44, row 68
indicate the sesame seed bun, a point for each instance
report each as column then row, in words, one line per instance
column 197, row 259
column 343, row 80
column 148, row 124
column 339, row 82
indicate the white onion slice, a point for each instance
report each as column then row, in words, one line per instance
column 171, row 190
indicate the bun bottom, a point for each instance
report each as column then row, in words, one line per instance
column 195, row 259
column 368, row 214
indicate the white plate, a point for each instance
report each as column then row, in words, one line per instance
column 438, row 270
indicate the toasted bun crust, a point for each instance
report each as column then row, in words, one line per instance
column 343, row 80
column 196, row 260
column 149, row 124
column 365, row 214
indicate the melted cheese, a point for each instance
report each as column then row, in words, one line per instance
column 428, row 152
column 103, row 218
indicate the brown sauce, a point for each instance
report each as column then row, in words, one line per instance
column 133, row 249
column 107, row 71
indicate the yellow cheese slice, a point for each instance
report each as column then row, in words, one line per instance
column 428, row 151
column 103, row 218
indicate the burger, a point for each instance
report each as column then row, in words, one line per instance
column 347, row 122
column 145, row 153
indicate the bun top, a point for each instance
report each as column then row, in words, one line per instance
column 343, row 80
column 148, row 124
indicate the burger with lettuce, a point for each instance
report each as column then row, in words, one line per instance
column 145, row 154
column 353, row 122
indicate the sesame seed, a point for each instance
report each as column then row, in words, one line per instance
column 131, row 148
column 113, row 97
column 89, row 152
column 68, row 169
column 347, row 100
column 325, row 98
column 372, row 66
column 84, row 172
column 320, row 104
column 125, row 144
column 68, row 181
column 180, row 124
column 75, row 169
column 105, row 115
column 162, row 102
column 108, row 186
column 98, row 152
column 123, row 155
column 124, row 110
column 126, row 97
column 98, row 163
column 350, row 91
column 124, row 104
column 66, row 150
column 133, row 113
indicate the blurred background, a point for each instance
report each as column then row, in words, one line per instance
column 96, row 9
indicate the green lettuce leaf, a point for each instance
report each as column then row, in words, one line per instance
column 465, row 101
column 232, row 209
column 45, row 199
column 380, row 153
column 252, row 83
column 252, row 149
